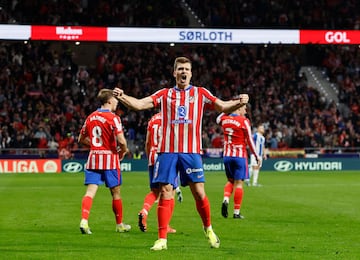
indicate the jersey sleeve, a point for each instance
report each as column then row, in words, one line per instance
column 209, row 97
column 219, row 118
column 156, row 97
column 118, row 125
column 148, row 128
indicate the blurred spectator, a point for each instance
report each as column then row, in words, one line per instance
column 82, row 76
column 53, row 145
column 137, row 154
column 272, row 141
column 65, row 153
column 217, row 139
column 206, row 142
column 5, row 139
column 41, row 137
column 65, row 146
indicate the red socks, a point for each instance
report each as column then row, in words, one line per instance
column 203, row 207
column 238, row 196
column 149, row 200
column 87, row 203
column 86, row 206
column 172, row 206
column 228, row 189
column 164, row 211
column 118, row 210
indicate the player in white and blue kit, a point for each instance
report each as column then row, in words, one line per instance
column 259, row 141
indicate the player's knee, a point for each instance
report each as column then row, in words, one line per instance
column 166, row 191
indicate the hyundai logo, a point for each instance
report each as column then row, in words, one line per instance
column 283, row 166
column 73, row 167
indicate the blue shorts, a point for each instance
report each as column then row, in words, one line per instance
column 151, row 176
column 111, row 178
column 188, row 165
column 236, row 168
column 154, row 185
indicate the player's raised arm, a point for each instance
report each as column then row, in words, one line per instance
column 231, row 105
column 132, row 102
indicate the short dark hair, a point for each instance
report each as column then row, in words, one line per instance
column 181, row 60
column 104, row 95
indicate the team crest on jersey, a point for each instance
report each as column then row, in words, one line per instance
column 181, row 111
column 191, row 99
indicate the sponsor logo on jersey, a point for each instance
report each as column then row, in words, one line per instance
column 190, row 170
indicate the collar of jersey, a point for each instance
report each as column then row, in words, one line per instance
column 189, row 87
column 103, row 110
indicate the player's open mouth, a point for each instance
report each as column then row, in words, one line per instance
column 183, row 77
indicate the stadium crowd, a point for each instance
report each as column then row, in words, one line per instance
column 305, row 14
column 45, row 96
column 95, row 13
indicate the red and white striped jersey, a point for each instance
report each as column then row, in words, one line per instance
column 237, row 135
column 153, row 129
column 102, row 126
column 182, row 112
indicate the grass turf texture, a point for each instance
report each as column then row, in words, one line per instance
column 293, row 216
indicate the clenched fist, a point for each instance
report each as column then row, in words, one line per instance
column 244, row 98
column 118, row 92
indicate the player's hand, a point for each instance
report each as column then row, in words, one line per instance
column 259, row 161
column 122, row 154
column 244, row 98
column 179, row 195
column 118, row 92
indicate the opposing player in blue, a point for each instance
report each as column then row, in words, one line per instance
column 259, row 141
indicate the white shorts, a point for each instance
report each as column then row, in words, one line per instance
column 253, row 161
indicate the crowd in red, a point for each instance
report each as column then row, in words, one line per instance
column 45, row 96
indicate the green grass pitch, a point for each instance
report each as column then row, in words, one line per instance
column 298, row 215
